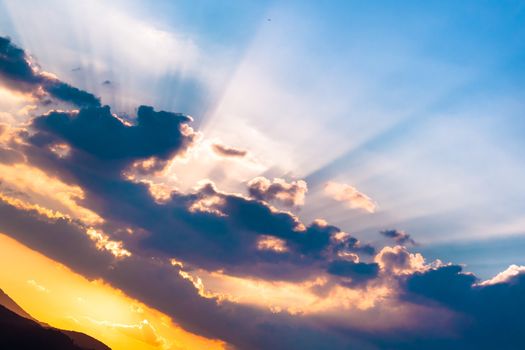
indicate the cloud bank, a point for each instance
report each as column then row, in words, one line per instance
column 358, row 296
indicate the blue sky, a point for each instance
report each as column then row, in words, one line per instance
column 419, row 106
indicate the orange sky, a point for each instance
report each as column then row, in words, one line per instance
column 52, row 293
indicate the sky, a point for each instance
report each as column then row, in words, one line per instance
column 259, row 174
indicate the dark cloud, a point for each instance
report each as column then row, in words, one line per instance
column 15, row 68
column 207, row 228
column 351, row 244
column 98, row 133
column 358, row 272
column 399, row 237
column 289, row 194
column 229, row 241
column 17, row 71
column 493, row 312
column 226, row 151
column 70, row 94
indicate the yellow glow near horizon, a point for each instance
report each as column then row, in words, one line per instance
column 52, row 293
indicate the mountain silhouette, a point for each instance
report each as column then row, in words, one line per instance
column 17, row 332
column 20, row 331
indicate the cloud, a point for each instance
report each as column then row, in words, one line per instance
column 240, row 325
column 19, row 73
column 21, row 181
column 97, row 132
column 358, row 272
column 226, row 151
column 271, row 243
column 38, row 286
column 346, row 243
column 68, row 93
column 399, row 260
column 15, row 68
column 10, row 156
column 227, row 229
column 493, row 311
column 215, row 230
column 350, row 196
column 58, row 238
column 393, row 300
column 505, row 276
column 289, row 194
column 399, row 237
column 143, row 331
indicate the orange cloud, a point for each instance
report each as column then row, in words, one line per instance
column 46, row 191
column 350, row 196
column 272, row 243
column 399, row 260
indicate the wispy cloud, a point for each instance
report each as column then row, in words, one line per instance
column 226, row 151
column 400, row 237
column 38, row 286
